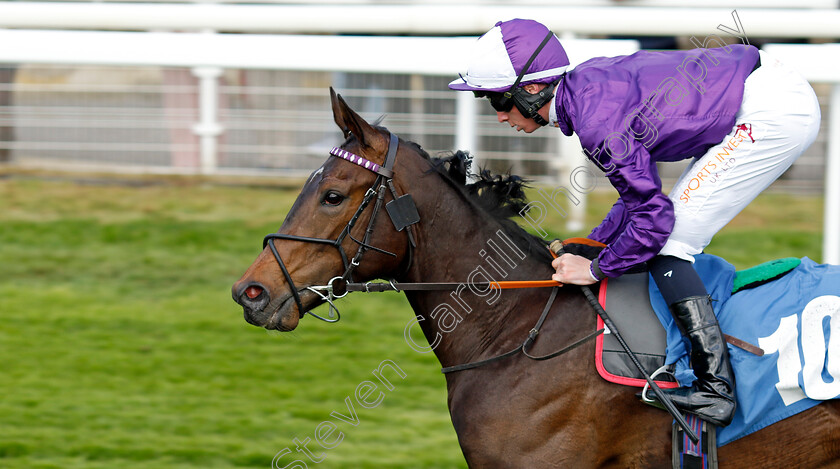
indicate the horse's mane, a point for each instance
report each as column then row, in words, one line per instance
column 500, row 196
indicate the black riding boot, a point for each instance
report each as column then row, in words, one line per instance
column 712, row 396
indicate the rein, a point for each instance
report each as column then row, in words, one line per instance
column 532, row 337
column 338, row 287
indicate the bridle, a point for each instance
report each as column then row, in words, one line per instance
column 402, row 211
column 403, row 214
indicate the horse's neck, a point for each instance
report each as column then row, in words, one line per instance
column 462, row 244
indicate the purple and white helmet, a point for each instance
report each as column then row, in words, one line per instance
column 499, row 55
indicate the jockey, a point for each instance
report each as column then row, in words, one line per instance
column 739, row 115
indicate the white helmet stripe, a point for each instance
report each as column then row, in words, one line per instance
column 544, row 74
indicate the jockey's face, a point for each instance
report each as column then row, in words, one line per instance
column 516, row 119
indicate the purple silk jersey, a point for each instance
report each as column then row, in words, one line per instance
column 633, row 111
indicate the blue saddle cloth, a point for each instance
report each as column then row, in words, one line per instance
column 795, row 319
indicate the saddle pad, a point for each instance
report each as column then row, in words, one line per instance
column 795, row 319
column 627, row 302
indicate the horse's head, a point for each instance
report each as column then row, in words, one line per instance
column 337, row 227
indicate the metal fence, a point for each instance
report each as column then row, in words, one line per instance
column 142, row 118
column 273, row 122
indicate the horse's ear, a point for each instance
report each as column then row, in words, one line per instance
column 351, row 123
column 338, row 112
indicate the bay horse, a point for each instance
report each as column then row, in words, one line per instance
column 515, row 412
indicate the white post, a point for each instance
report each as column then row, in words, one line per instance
column 570, row 157
column 466, row 125
column 208, row 128
column 831, row 232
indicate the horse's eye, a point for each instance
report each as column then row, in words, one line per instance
column 332, row 198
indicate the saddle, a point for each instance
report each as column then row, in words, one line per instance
column 628, row 297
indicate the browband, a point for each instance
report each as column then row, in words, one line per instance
column 386, row 171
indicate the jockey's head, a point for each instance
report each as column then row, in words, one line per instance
column 510, row 56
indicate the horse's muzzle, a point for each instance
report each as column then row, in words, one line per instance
column 253, row 298
column 260, row 311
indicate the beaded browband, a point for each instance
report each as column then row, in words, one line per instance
column 365, row 163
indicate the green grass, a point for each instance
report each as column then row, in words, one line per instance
column 120, row 346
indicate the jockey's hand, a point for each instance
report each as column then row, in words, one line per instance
column 572, row 269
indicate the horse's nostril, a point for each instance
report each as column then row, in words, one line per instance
column 253, row 291
column 252, row 296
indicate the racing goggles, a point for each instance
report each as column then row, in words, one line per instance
column 501, row 101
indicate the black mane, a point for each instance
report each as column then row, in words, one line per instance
column 503, row 196
column 500, row 196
